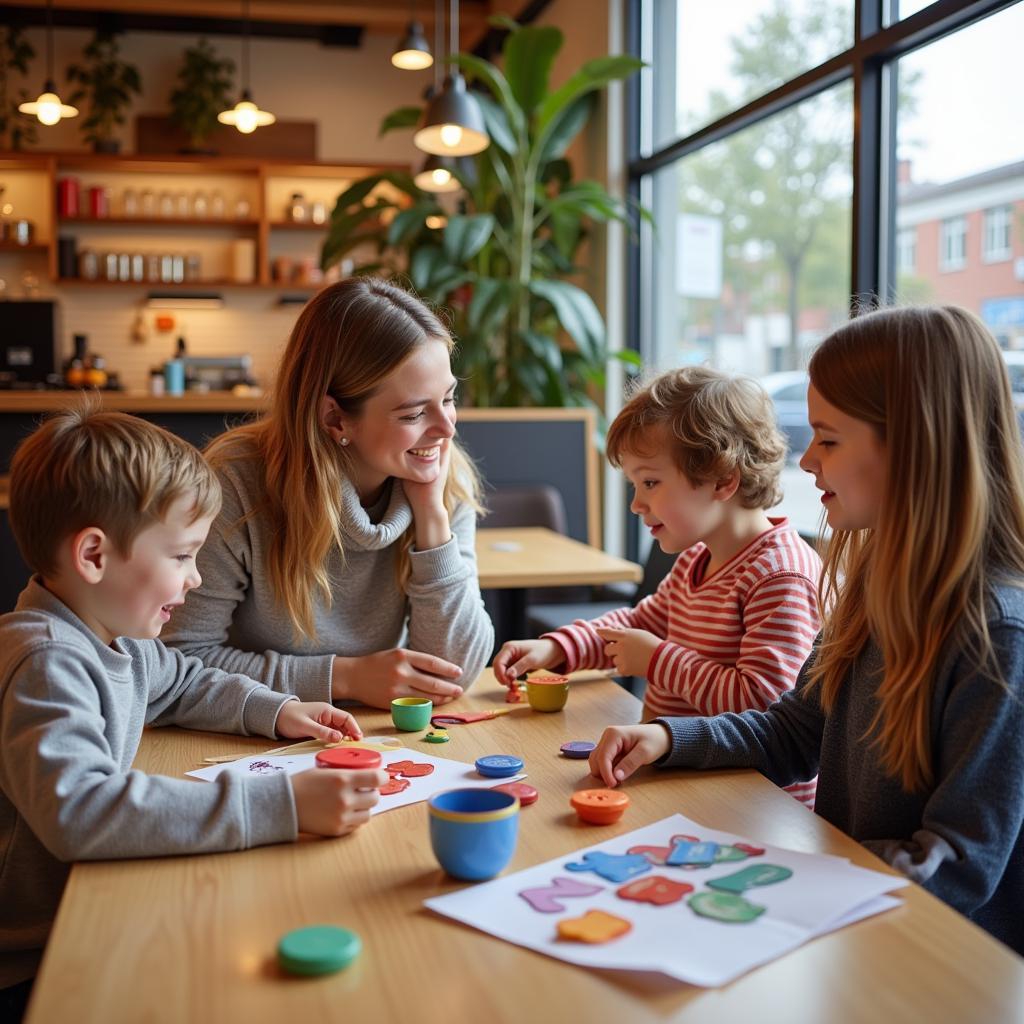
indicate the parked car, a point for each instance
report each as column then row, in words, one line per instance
column 788, row 392
column 1015, row 367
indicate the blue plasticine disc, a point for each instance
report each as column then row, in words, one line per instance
column 321, row 949
column 499, row 766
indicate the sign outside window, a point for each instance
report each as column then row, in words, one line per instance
column 699, row 256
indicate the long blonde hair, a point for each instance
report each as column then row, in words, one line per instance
column 932, row 383
column 347, row 340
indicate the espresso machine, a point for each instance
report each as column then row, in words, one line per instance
column 27, row 343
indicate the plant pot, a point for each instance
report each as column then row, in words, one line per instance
column 108, row 146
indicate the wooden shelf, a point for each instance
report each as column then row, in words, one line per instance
column 31, row 247
column 81, row 282
column 298, row 225
column 160, row 222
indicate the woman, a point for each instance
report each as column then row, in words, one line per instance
column 342, row 563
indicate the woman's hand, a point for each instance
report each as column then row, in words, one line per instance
column 518, row 657
column 426, row 500
column 377, row 679
column 624, row 748
column 322, row 721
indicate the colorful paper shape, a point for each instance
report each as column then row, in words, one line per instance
column 594, row 926
column 726, row 907
column 751, row 877
column 654, row 889
column 615, row 867
column 408, row 769
column 545, row 899
column 699, row 855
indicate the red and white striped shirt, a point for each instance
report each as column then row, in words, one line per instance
column 731, row 642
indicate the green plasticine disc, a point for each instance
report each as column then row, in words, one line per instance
column 321, row 949
column 726, row 907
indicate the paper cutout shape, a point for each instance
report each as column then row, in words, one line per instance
column 750, row 851
column 408, row 769
column 594, row 926
column 696, row 854
column 726, row 907
column 394, row 785
column 657, row 854
column 545, row 899
column 749, row 878
column 655, row 889
column 615, row 867
column 730, row 853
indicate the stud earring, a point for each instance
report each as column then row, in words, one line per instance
column 344, row 441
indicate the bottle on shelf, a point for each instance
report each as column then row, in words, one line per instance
column 200, row 205
column 217, row 204
column 297, row 208
column 130, row 203
column 242, row 208
column 74, row 368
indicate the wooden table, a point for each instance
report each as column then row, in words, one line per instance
column 192, row 939
column 512, row 559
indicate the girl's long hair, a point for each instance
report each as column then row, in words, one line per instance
column 933, row 385
column 347, row 340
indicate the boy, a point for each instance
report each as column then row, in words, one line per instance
column 109, row 511
column 732, row 623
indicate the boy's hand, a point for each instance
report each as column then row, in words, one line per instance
column 317, row 719
column 631, row 650
column 377, row 679
column 518, row 657
column 624, row 748
column 334, row 802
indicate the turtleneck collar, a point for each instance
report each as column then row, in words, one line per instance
column 391, row 511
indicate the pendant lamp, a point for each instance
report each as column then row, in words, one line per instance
column 453, row 123
column 245, row 115
column 412, row 52
column 436, row 175
column 48, row 108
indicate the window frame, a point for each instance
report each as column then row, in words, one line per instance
column 953, row 229
column 1004, row 252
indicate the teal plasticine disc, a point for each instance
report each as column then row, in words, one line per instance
column 322, row 949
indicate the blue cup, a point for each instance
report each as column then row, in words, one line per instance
column 473, row 831
column 174, row 377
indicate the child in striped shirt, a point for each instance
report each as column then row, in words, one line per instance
column 730, row 626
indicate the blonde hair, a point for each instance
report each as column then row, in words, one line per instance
column 84, row 467
column 347, row 340
column 933, row 385
column 716, row 424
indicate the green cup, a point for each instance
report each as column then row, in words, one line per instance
column 410, row 714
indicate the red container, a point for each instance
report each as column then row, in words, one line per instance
column 99, row 205
column 67, row 197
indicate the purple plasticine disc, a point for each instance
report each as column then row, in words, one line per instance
column 578, row 749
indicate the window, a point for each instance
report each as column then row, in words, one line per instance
column 953, row 244
column 793, row 167
column 995, row 245
column 906, row 251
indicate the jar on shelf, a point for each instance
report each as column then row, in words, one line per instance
column 110, row 266
column 200, row 205
column 177, row 268
column 166, row 268
column 217, row 204
column 182, row 206
column 318, row 212
column 148, row 203
column 138, row 266
column 297, row 208
column 67, row 197
column 166, row 204
column 193, row 266
column 124, row 266
column 88, row 265
column 130, row 203
column 99, row 201
column 242, row 208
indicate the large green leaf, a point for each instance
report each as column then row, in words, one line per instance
column 544, row 348
column 497, row 83
column 529, row 54
column 595, row 74
column 403, row 117
column 497, row 124
column 343, row 234
column 489, row 304
column 565, row 126
column 465, row 236
column 422, row 264
column 577, row 313
column 409, row 222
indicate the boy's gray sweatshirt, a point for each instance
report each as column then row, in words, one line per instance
column 72, row 712
column 234, row 621
column 963, row 837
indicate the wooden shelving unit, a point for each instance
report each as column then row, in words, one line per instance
column 265, row 184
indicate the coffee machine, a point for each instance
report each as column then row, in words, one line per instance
column 27, row 342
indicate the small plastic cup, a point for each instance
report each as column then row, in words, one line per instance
column 410, row 714
column 473, row 831
column 547, row 693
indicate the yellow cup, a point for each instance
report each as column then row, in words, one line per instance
column 547, row 693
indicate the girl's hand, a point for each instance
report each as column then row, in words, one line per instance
column 317, row 719
column 430, row 517
column 630, row 650
column 377, row 679
column 517, row 657
column 624, row 748
column 334, row 802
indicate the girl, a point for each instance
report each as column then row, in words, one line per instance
column 342, row 562
column 910, row 707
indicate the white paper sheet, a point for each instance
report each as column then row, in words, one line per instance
column 447, row 774
column 823, row 893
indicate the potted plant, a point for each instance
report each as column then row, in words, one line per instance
column 204, row 84
column 16, row 129
column 108, row 83
column 527, row 335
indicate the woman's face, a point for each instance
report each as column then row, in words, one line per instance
column 404, row 427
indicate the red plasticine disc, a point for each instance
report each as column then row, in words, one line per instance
column 527, row 794
column 340, row 757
